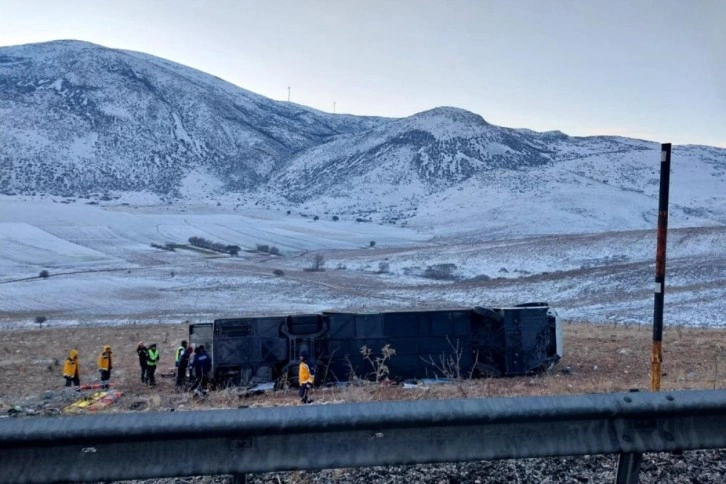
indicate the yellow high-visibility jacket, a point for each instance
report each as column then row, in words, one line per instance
column 304, row 375
column 104, row 359
column 70, row 367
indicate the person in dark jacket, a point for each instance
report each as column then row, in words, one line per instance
column 201, row 365
column 183, row 364
column 143, row 358
column 179, row 352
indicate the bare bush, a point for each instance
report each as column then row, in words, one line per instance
column 318, row 262
column 448, row 364
column 378, row 363
column 440, row 271
column 232, row 250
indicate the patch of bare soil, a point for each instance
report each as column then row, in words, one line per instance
column 598, row 358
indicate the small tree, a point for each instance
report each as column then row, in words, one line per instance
column 40, row 320
column 318, row 262
column 44, row 274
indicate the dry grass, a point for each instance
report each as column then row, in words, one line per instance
column 598, row 358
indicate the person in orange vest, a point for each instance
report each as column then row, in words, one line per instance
column 71, row 370
column 306, row 377
column 105, row 365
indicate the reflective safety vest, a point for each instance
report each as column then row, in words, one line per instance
column 104, row 360
column 70, row 367
column 179, row 352
column 304, row 374
column 153, row 357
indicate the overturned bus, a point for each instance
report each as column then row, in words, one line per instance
column 454, row 343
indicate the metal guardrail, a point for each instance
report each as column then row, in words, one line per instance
column 170, row 444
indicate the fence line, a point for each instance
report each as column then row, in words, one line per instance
column 172, row 444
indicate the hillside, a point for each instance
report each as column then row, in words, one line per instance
column 107, row 155
column 78, row 119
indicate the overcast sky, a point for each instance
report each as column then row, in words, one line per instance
column 647, row 69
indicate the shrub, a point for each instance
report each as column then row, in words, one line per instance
column 383, row 267
column 44, row 274
column 278, row 272
column 440, row 271
column 274, row 250
column 263, row 247
column 215, row 246
column 317, row 263
column 372, row 243
column 380, row 368
column 335, row 218
column 316, row 217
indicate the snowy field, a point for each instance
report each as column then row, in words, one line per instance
column 102, row 268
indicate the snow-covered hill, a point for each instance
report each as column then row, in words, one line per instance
column 78, row 119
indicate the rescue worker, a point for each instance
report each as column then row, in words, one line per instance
column 306, row 377
column 151, row 362
column 179, row 352
column 181, row 370
column 105, row 365
column 201, row 365
column 71, row 370
column 143, row 360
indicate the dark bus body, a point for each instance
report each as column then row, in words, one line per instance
column 452, row 343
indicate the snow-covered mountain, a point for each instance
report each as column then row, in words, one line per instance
column 80, row 118
column 77, row 119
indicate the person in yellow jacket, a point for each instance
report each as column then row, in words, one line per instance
column 105, row 365
column 71, row 371
column 306, row 377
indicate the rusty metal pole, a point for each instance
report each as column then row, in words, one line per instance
column 660, row 262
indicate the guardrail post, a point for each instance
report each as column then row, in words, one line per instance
column 239, row 478
column 629, row 468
